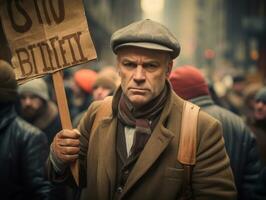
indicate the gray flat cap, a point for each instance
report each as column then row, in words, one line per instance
column 146, row 34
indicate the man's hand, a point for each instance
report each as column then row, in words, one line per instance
column 65, row 145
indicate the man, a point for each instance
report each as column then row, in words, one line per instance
column 189, row 83
column 259, row 128
column 132, row 153
column 36, row 108
column 104, row 86
column 81, row 89
column 235, row 95
column 259, row 122
column 23, row 148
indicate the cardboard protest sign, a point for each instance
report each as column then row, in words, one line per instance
column 46, row 36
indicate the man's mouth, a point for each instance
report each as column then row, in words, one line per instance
column 138, row 90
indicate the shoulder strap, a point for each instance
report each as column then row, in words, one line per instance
column 188, row 135
column 187, row 145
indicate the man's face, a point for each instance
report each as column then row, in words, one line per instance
column 31, row 105
column 143, row 73
column 260, row 110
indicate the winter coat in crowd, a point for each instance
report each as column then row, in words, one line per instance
column 43, row 115
column 189, row 83
column 23, row 153
column 241, row 147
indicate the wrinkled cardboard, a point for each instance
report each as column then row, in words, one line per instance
column 43, row 39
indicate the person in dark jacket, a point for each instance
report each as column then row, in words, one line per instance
column 189, row 83
column 258, row 124
column 23, row 148
column 37, row 108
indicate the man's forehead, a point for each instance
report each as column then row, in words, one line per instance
column 29, row 94
column 130, row 52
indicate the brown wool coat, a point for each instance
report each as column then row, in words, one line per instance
column 157, row 174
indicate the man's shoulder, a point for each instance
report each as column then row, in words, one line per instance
column 203, row 117
column 26, row 129
column 232, row 123
column 97, row 105
column 101, row 107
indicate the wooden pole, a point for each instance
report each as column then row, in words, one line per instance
column 64, row 113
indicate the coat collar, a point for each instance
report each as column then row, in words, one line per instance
column 107, row 156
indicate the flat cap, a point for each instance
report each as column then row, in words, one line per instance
column 146, row 34
column 37, row 87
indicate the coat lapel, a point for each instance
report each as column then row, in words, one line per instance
column 153, row 149
column 107, row 157
column 159, row 140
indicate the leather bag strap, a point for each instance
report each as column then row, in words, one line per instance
column 188, row 135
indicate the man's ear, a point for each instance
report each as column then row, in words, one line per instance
column 169, row 68
column 118, row 70
column 117, row 67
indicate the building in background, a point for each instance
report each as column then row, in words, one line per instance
column 212, row 33
column 106, row 16
column 246, row 33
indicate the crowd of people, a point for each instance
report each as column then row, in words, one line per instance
column 128, row 130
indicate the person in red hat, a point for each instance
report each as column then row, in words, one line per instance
column 82, row 88
column 189, row 83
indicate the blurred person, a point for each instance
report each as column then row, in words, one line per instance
column 36, row 107
column 103, row 87
column 82, row 91
column 111, row 72
column 23, row 148
column 132, row 152
column 189, row 83
column 259, row 121
column 235, row 96
column 249, row 100
column 258, row 125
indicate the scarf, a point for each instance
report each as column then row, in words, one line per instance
column 143, row 119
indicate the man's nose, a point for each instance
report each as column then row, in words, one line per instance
column 259, row 104
column 27, row 100
column 139, row 74
column 99, row 90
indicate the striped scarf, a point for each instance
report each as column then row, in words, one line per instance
column 143, row 119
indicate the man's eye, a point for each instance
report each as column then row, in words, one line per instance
column 130, row 65
column 150, row 66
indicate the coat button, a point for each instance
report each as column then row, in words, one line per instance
column 119, row 189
